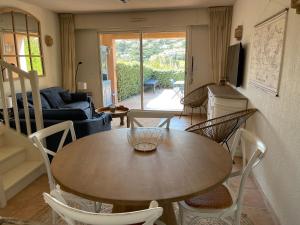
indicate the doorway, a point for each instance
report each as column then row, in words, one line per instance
column 144, row 70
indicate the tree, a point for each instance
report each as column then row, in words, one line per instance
column 163, row 53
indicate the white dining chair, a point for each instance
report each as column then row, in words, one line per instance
column 39, row 138
column 135, row 114
column 236, row 145
column 72, row 215
column 223, row 202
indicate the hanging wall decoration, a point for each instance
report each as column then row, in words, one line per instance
column 238, row 32
column 267, row 53
column 296, row 5
column 48, row 40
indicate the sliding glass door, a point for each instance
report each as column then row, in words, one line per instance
column 146, row 70
column 163, row 70
column 123, row 76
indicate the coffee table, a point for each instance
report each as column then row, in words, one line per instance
column 117, row 112
column 104, row 167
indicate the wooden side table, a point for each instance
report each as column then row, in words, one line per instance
column 117, row 112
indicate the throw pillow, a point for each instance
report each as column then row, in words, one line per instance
column 79, row 96
column 53, row 98
column 44, row 102
column 66, row 96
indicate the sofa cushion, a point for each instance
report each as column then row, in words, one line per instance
column 79, row 96
column 44, row 102
column 21, row 105
column 76, row 105
column 58, row 114
column 64, row 114
column 53, row 96
column 66, row 96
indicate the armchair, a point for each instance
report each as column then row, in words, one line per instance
column 196, row 98
column 222, row 128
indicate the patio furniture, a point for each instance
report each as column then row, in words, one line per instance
column 153, row 83
column 105, row 167
column 196, row 99
column 38, row 139
column 222, row 128
column 222, row 201
column 134, row 114
column 115, row 112
column 178, row 87
column 73, row 215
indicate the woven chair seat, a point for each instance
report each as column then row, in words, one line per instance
column 196, row 97
column 220, row 129
column 219, row 198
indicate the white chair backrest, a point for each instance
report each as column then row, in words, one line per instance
column 245, row 137
column 134, row 114
column 233, row 149
column 39, row 137
column 73, row 215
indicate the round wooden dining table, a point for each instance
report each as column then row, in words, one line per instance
column 104, row 167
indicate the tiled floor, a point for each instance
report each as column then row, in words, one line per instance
column 162, row 99
column 29, row 203
column 255, row 204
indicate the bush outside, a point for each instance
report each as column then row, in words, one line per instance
column 128, row 78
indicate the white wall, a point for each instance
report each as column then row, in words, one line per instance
column 87, row 51
column 49, row 26
column 172, row 20
column 200, row 51
column 278, row 121
column 158, row 20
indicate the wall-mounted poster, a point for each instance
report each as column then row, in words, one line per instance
column 266, row 53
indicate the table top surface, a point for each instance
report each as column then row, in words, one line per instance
column 104, row 167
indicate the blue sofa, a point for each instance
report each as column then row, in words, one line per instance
column 58, row 105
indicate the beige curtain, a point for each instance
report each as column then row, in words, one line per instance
column 67, row 37
column 219, row 37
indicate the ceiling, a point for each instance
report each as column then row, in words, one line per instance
column 84, row 6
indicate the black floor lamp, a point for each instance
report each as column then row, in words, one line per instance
column 77, row 67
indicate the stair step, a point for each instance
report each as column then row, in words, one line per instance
column 9, row 151
column 11, row 156
column 19, row 177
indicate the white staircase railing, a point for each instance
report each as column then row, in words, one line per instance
column 23, row 77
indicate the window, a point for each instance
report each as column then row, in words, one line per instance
column 21, row 40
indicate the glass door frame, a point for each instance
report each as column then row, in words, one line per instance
column 142, row 69
column 141, row 33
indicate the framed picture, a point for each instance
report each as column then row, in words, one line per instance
column 267, row 53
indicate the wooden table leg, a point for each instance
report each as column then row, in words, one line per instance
column 128, row 122
column 168, row 217
column 121, row 120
